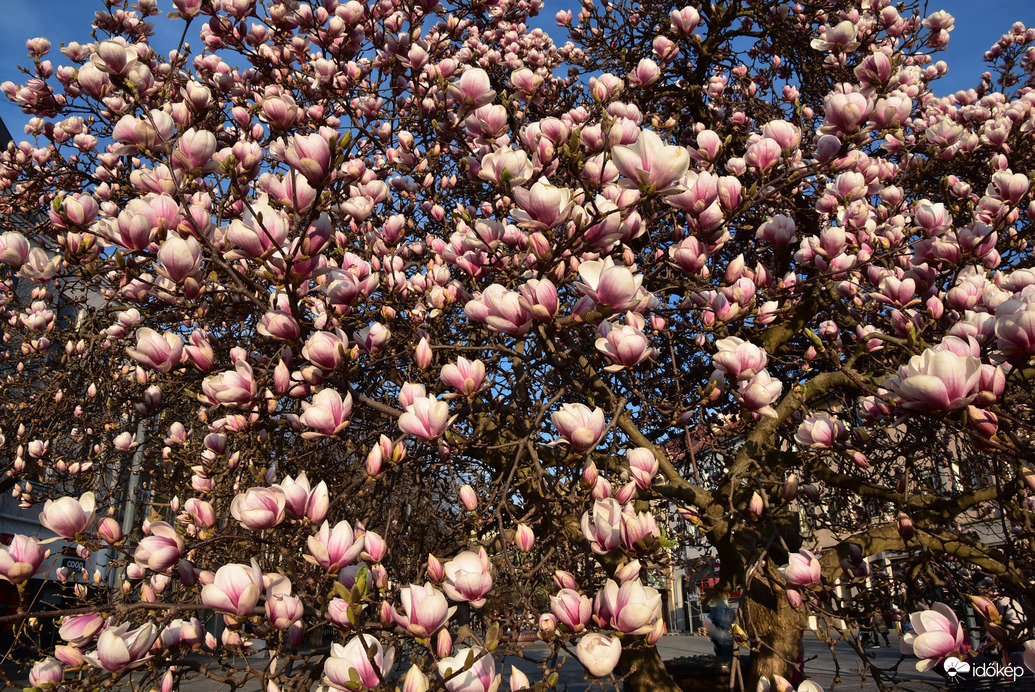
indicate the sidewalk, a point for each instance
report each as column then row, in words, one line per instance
column 820, row 667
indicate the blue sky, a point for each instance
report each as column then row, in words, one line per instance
column 978, row 25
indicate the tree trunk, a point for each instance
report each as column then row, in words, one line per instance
column 774, row 631
column 646, row 672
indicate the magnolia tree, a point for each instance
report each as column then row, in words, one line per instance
column 367, row 333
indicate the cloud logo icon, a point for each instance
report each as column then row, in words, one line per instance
column 954, row 667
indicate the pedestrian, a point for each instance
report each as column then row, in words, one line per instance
column 863, row 627
column 895, row 616
column 718, row 623
column 880, row 627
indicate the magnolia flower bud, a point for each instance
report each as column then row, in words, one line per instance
column 436, row 572
column 905, row 526
column 755, row 506
column 468, row 498
column 443, row 643
column 524, row 538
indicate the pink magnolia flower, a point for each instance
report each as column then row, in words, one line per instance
column 466, row 376
column 47, row 674
column 374, row 547
column 518, row 680
column 40, row 266
column 606, row 283
column 631, row 608
column 236, row 589
column 113, row 57
column 643, row 466
column 802, row 569
column 199, row 513
column 684, row 21
column 936, row 634
column 602, row 526
column 14, row 249
column 820, row 432
column 189, row 633
column 233, row 388
column 645, row 73
column 845, row 113
column 572, row 609
column 841, row 38
column 415, row 680
column 426, row 418
column 149, row 134
column 279, row 325
column 1015, row 332
column 783, row 133
column 936, row 381
column 161, row 550
column 200, row 350
column 699, row 192
column 282, row 609
column 349, row 662
column 410, row 392
column 310, row 155
column 579, row 425
column 338, row 612
column 180, row 258
column 327, row 415
column 67, row 516
column 630, row 570
column 487, row 122
column 689, row 255
column 896, row 292
column 259, row 508
column 626, row 346
column 473, row 87
column 506, row 164
column 120, row 648
column 543, row 206
column 639, row 530
column 124, row 442
column 78, row 630
column 651, row 164
column 760, row 392
column 763, row 154
column 468, row 577
column 480, row 677
column 334, row 548
column 194, row 151
column 1008, row 186
column 739, row 359
column 501, row 310
column 425, row 610
column 779, row 230
column 372, row 339
column 161, row 352
column 259, row 229
column 598, row 653
column 20, row 560
column 326, row 349
column 755, row 505
column 302, row 501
